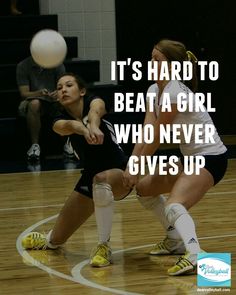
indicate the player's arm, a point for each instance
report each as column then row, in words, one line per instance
column 128, row 179
column 68, row 127
column 150, row 118
column 96, row 112
column 163, row 119
column 149, row 149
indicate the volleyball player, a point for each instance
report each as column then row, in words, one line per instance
column 184, row 190
column 93, row 140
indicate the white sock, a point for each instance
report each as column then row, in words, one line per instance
column 104, row 204
column 49, row 244
column 186, row 228
column 157, row 206
column 159, row 211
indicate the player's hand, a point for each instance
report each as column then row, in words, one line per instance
column 87, row 136
column 96, row 134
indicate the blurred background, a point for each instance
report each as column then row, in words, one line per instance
column 99, row 31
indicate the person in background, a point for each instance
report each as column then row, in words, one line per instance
column 184, row 190
column 37, row 87
column 93, row 140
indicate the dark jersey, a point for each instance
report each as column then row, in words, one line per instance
column 96, row 158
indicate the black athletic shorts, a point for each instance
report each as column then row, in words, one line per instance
column 85, row 183
column 215, row 164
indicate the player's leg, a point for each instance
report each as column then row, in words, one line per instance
column 76, row 210
column 149, row 194
column 107, row 185
column 187, row 191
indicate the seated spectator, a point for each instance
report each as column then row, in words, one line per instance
column 37, row 88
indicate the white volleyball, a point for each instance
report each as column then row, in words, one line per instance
column 48, row 48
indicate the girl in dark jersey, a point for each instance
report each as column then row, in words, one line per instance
column 93, row 140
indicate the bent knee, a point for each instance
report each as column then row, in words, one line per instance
column 34, row 105
column 142, row 190
column 100, row 177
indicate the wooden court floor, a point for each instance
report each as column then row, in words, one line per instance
column 30, row 201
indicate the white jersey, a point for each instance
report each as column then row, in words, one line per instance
column 188, row 117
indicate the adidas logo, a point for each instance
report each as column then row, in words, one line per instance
column 192, row 241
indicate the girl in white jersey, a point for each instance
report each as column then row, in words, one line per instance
column 184, row 190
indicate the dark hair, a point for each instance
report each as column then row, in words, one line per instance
column 80, row 82
column 176, row 51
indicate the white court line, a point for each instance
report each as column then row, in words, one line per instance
column 77, row 269
column 32, row 207
column 128, row 199
column 228, row 180
column 221, row 193
column 81, row 280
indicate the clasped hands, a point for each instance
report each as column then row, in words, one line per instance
column 93, row 135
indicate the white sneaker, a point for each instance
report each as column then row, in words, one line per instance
column 34, row 152
column 68, row 150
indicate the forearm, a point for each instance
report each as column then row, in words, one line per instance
column 94, row 118
column 149, row 149
column 150, row 119
column 28, row 94
column 96, row 112
column 68, row 127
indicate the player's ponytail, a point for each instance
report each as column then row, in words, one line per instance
column 176, row 51
column 192, row 84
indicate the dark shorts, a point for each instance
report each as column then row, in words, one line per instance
column 85, row 183
column 45, row 108
column 215, row 164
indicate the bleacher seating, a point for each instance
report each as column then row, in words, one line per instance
column 15, row 35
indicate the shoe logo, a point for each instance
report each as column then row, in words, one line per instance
column 170, row 228
column 191, row 241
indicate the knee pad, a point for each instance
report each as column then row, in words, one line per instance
column 150, row 203
column 173, row 212
column 102, row 194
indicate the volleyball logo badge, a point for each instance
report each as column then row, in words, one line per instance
column 214, row 270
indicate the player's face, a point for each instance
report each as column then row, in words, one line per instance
column 68, row 91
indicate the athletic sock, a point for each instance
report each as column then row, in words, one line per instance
column 157, row 206
column 104, row 205
column 186, row 228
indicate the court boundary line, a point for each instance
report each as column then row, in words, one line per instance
column 81, row 280
column 128, row 199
